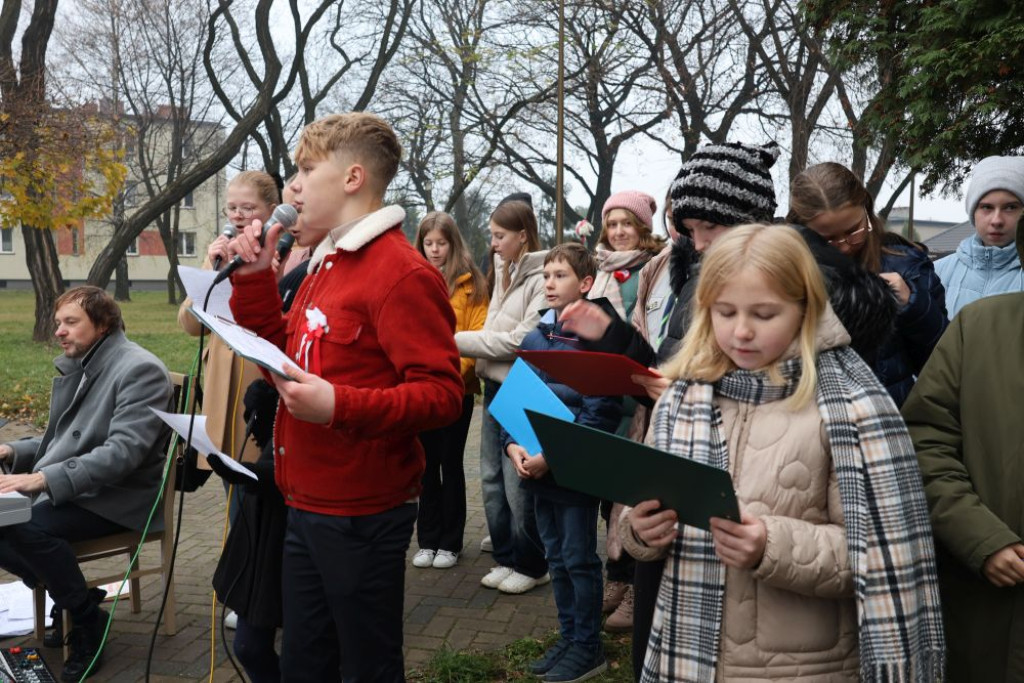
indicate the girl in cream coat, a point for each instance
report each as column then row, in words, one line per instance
column 833, row 537
column 517, row 299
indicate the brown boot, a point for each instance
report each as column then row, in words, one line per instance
column 613, row 592
column 621, row 620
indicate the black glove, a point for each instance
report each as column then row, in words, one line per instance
column 229, row 475
column 261, row 406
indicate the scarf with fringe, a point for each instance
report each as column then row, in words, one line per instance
column 888, row 532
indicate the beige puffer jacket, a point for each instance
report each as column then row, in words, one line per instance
column 511, row 315
column 793, row 617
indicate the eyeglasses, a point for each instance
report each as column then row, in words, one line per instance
column 243, row 211
column 854, row 237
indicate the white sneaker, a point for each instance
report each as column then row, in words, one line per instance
column 445, row 559
column 486, row 546
column 496, row 576
column 423, row 558
column 517, row 583
column 231, row 619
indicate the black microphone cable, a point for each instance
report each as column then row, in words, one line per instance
column 181, row 497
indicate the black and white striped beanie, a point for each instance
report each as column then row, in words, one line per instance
column 727, row 184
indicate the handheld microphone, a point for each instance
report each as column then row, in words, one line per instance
column 285, row 214
column 229, row 232
column 284, row 245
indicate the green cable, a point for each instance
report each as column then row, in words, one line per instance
column 145, row 530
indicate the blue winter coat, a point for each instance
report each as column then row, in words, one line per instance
column 599, row 412
column 975, row 271
column 919, row 324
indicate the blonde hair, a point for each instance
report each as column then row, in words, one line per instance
column 459, row 261
column 648, row 240
column 782, row 257
column 262, row 182
column 365, row 138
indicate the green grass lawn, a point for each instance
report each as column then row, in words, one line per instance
column 26, row 368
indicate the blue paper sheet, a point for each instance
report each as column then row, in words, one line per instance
column 524, row 389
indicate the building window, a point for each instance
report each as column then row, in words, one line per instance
column 186, row 244
column 133, row 248
column 189, row 201
column 75, row 243
column 6, row 240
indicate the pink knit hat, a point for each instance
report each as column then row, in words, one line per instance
column 641, row 204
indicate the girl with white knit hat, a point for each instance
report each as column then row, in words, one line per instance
column 987, row 263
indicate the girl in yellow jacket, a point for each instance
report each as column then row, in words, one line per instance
column 829, row 575
column 442, row 513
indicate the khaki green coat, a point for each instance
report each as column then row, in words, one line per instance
column 965, row 420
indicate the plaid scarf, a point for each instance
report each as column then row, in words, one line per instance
column 608, row 262
column 888, row 532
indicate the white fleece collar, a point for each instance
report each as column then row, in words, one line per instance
column 354, row 235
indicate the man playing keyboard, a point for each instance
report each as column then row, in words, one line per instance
column 96, row 470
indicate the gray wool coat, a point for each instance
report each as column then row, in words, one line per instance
column 103, row 449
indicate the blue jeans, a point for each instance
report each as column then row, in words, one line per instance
column 511, row 519
column 570, row 538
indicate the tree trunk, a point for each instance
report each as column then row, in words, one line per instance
column 44, row 269
column 122, row 285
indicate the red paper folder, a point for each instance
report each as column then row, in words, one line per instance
column 591, row 373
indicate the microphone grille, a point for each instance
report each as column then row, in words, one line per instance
column 286, row 215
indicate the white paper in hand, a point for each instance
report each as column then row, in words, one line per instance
column 246, row 344
column 197, row 282
column 200, row 439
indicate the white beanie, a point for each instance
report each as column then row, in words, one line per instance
column 991, row 174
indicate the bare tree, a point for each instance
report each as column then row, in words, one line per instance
column 707, row 64
column 145, row 66
column 821, row 104
column 453, row 94
column 340, row 45
column 612, row 98
column 205, row 162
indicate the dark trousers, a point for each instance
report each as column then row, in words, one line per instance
column 254, row 647
column 646, row 581
column 39, row 551
column 343, row 588
column 441, row 522
column 570, row 542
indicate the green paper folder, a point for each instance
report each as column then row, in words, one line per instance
column 610, row 467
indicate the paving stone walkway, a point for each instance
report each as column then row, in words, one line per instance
column 442, row 607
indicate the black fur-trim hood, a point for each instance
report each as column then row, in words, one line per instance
column 682, row 263
column 862, row 301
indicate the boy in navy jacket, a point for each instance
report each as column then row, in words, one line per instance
column 566, row 519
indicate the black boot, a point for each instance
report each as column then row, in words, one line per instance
column 55, row 637
column 84, row 641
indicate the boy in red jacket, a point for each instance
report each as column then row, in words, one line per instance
column 373, row 329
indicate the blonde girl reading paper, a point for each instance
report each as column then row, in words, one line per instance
column 830, row 575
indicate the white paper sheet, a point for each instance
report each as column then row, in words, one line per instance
column 201, row 440
column 17, row 616
column 246, row 344
column 197, row 282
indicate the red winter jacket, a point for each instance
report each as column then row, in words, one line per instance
column 389, row 350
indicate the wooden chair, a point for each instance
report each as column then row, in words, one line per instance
column 127, row 543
